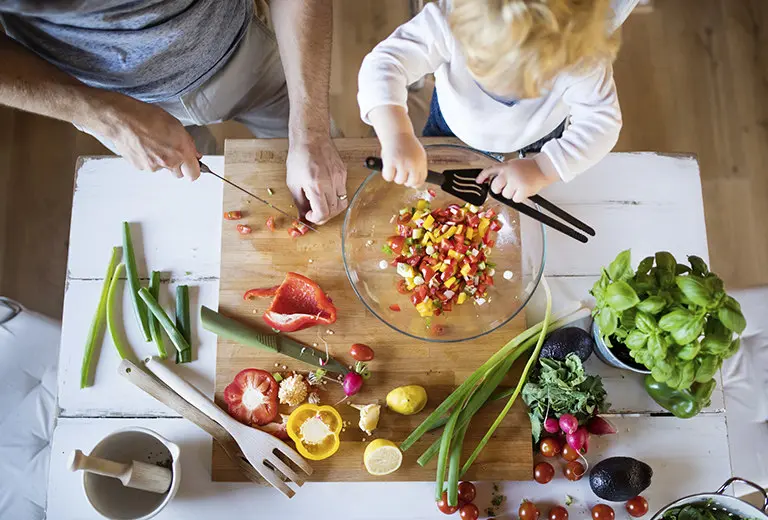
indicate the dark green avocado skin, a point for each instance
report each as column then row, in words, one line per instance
column 617, row 479
column 566, row 340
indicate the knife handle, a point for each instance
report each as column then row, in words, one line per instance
column 377, row 165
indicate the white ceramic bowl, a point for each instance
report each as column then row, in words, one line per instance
column 109, row 497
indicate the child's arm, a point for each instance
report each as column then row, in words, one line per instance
column 415, row 49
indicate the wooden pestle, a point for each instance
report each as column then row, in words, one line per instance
column 135, row 474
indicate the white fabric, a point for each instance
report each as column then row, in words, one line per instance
column 425, row 44
column 29, row 345
column 745, row 382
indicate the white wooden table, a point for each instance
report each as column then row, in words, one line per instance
column 643, row 201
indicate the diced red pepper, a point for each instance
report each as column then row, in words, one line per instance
column 402, row 287
column 428, row 273
column 473, row 220
column 271, row 223
column 403, row 230
column 294, row 232
column 461, row 248
column 447, row 307
column 233, row 215
column 481, row 288
column 495, row 225
column 394, row 307
column 431, row 192
column 413, row 261
column 490, row 244
column 489, row 280
column 490, row 213
column 298, row 304
column 243, row 229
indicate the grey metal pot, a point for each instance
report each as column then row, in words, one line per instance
column 607, row 356
column 730, row 504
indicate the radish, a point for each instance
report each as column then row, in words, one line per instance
column 352, row 384
column 600, row 426
column 578, row 440
column 568, row 423
column 551, row 425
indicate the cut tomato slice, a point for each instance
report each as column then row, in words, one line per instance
column 243, row 229
column 396, row 243
column 252, row 397
column 271, row 223
column 394, row 307
column 495, row 225
column 233, row 215
column 402, row 287
column 294, row 232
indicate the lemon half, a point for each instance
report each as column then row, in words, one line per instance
column 382, row 457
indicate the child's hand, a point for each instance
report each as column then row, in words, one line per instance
column 405, row 161
column 516, row 179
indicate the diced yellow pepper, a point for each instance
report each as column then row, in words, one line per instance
column 465, row 270
column 419, row 214
column 459, row 229
column 450, row 281
column 422, row 204
column 409, row 284
column 454, row 254
column 429, row 222
column 416, row 234
column 462, row 298
column 428, row 237
column 483, row 227
column 443, row 267
column 470, row 233
column 448, row 234
column 425, row 308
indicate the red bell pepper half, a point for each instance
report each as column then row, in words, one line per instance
column 299, row 303
column 266, row 292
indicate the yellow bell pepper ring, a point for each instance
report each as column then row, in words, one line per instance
column 315, row 430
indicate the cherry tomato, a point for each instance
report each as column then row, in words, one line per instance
column 402, row 287
column 603, row 512
column 543, row 472
column 396, row 244
column 294, row 232
column 394, row 307
column 469, row 512
column 550, row 447
column 528, row 511
column 558, row 513
column 637, row 506
column 573, row 470
column 243, row 229
column 569, row 453
column 271, row 223
column 233, row 215
column 361, row 352
column 443, row 506
column 467, row 492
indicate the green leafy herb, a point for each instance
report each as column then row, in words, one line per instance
column 560, row 387
column 568, row 500
column 386, row 249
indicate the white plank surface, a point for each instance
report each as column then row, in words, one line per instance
column 687, row 456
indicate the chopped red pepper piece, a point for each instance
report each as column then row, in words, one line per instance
column 431, row 192
column 394, row 307
column 233, row 215
column 243, row 229
column 299, row 303
column 294, row 232
column 271, row 223
column 266, row 292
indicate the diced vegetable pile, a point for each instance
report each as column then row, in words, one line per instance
column 442, row 255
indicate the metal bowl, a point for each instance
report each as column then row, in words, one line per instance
column 719, row 500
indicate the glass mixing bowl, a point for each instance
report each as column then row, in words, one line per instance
column 519, row 252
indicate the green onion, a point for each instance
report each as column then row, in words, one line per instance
column 97, row 323
column 442, row 458
column 122, row 349
column 183, row 323
column 176, row 338
column 453, row 466
column 154, row 325
column 523, row 378
column 133, row 282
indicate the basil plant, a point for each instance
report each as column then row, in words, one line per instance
column 675, row 319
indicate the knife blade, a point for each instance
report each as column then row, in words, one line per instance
column 205, row 169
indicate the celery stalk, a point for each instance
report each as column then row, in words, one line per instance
column 154, row 325
column 523, row 378
column 122, row 349
column 97, row 323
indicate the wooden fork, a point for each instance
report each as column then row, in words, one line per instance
column 261, row 449
column 171, row 399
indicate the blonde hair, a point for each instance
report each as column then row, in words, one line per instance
column 518, row 47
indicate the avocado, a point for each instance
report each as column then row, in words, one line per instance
column 618, row 479
column 566, row 340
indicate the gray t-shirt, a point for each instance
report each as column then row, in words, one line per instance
column 151, row 50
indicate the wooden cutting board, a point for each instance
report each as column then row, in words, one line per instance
column 262, row 258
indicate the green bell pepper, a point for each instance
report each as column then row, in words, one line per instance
column 682, row 403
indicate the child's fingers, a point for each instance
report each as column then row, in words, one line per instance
column 388, row 172
column 510, row 191
column 416, row 178
column 520, row 195
column 498, row 184
column 402, row 175
column 486, row 174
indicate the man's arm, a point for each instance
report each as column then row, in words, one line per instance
column 316, row 175
column 146, row 135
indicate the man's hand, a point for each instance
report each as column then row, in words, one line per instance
column 516, row 179
column 404, row 158
column 317, row 178
column 146, row 135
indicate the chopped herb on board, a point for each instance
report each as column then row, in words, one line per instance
column 497, row 499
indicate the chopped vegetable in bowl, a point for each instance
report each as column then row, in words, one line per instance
column 442, row 255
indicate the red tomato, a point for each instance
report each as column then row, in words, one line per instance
column 467, row 492
column 473, row 220
column 558, row 513
column 394, row 307
column 481, row 288
column 447, row 307
column 403, row 230
column 550, row 446
column 233, row 215
column 431, row 192
column 489, row 279
column 294, row 232
column 569, row 453
column 402, row 287
column 443, row 506
column 404, row 219
column 271, row 223
column 490, row 213
column 243, row 229
column 428, row 273
column 396, row 244
column 603, row 512
column 301, row 227
column 495, row 225
column 528, row 511
column 361, row 352
column 413, row 261
column 637, row 507
column 491, row 243
column 573, row 470
column 469, row 512
column 260, row 407
column 543, row 472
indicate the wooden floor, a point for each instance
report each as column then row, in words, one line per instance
column 692, row 77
